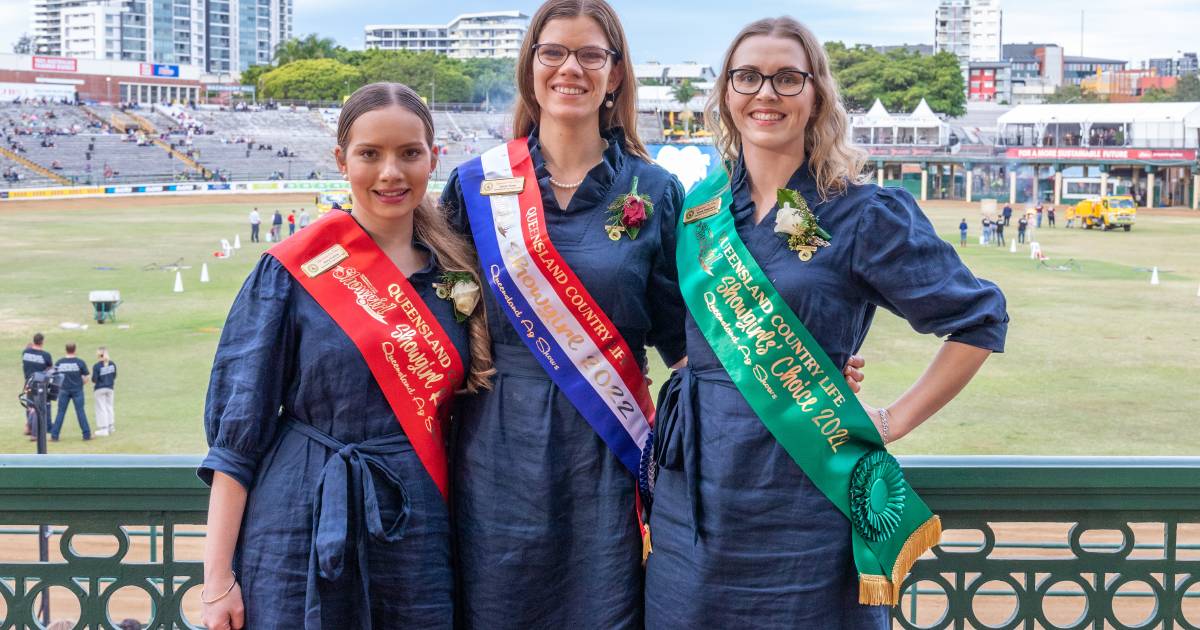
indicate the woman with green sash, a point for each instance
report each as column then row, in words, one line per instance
column 776, row 504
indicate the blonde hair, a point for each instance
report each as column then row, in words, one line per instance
column 623, row 113
column 834, row 161
column 453, row 251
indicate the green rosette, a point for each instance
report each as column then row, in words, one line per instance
column 877, row 494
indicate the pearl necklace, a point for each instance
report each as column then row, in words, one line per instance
column 558, row 184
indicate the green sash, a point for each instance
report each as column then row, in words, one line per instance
column 799, row 394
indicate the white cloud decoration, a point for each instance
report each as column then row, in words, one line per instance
column 689, row 163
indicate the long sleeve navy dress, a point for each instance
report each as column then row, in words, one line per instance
column 295, row 415
column 742, row 538
column 545, row 530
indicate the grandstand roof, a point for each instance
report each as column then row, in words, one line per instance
column 1104, row 113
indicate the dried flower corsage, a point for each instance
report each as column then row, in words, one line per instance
column 460, row 289
column 796, row 222
column 628, row 213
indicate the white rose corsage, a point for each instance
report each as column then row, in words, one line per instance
column 796, row 222
column 460, row 289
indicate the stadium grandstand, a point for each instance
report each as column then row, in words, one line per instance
column 49, row 143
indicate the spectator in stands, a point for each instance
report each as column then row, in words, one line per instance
column 291, row 221
column 75, row 374
column 276, row 227
column 255, row 222
column 105, row 376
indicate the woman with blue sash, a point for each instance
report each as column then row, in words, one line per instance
column 744, row 529
column 334, row 373
column 546, row 527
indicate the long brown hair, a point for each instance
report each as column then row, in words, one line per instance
column 623, row 113
column 453, row 251
column 834, row 161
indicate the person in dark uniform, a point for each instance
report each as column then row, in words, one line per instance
column 33, row 360
column 276, row 227
column 104, row 375
column 1007, row 214
column 75, row 373
column 962, row 233
column 1000, row 233
column 1022, row 224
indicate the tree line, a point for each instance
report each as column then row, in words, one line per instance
column 318, row 69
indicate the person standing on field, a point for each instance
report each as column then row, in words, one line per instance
column 255, row 221
column 75, row 373
column 104, row 376
column 34, row 359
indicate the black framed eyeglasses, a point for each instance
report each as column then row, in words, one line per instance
column 785, row 82
column 589, row 57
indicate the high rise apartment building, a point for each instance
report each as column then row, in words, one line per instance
column 220, row 36
column 468, row 36
column 969, row 29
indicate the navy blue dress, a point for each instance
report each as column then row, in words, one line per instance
column 295, row 415
column 545, row 530
column 742, row 538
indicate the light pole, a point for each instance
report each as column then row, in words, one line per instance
column 108, row 88
column 432, row 93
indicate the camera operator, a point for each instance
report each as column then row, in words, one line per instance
column 34, row 359
column 75, row 373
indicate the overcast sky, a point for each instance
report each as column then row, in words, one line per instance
column 669, row 32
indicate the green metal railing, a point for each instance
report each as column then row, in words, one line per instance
column 127, row 497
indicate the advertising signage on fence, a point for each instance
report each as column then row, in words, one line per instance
column 159, row 70
column 55, row 64
column 244, row 89
column 1081, row 153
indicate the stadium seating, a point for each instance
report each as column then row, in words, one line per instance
column 217, row 139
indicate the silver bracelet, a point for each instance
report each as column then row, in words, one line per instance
column 884, row 419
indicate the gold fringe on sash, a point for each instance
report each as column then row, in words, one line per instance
column 647, row 549
column 877, row 590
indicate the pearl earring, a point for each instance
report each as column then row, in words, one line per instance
column 609, row 101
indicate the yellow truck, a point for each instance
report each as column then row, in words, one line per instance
column 326, row 199
column 1107, row 213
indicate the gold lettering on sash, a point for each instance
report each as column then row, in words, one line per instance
column 505, row 186
column 702, row 211
column 365, row 293
column 743, row 311
column 324, row 261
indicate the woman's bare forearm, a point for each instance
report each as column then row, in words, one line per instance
column 226, row 504
column 949, row 372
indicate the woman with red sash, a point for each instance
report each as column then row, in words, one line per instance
column 741, row 535
column 329, row 391
column 547, row 535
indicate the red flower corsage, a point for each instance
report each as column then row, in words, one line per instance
column 628, row 213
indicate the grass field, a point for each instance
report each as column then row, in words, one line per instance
column 1098, row 361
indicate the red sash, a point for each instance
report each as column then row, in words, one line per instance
column 408, row 352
